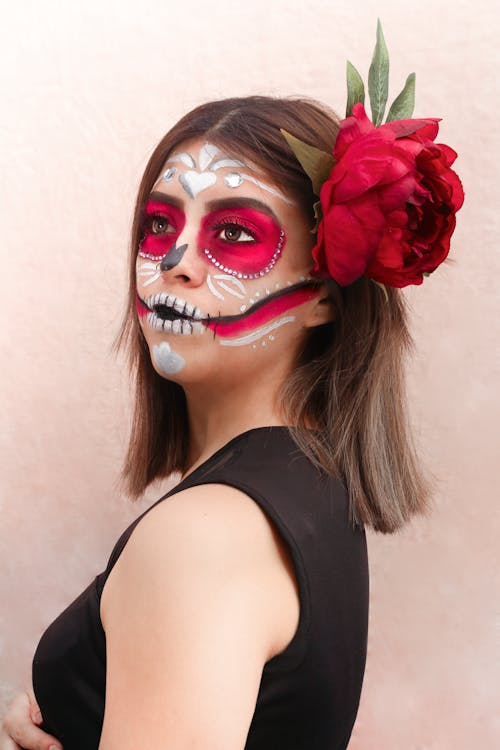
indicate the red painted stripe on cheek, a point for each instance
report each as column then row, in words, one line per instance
column 263, row 314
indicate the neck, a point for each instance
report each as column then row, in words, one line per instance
column 216, row 415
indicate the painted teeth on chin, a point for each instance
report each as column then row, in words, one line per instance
column 178, row 304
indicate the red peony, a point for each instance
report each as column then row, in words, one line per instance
column 389, row 203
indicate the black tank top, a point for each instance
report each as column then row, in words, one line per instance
column 309, row 693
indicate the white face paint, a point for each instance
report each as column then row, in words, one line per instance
column 228, row 283
column 195, row 180
column 167, row 361
column 258, row 333
column 148, row 270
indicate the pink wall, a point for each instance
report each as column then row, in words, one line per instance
column 89, row 89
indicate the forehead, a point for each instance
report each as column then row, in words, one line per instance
column 200, row 169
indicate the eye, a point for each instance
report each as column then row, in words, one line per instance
column 161, row 225
column 235, row 233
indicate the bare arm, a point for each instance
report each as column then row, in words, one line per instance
column 189, row 613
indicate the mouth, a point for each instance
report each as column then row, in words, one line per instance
column 172, row 314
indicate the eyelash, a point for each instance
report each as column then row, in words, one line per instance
column 151, row 218
column 233, row 221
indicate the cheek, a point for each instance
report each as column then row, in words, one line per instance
column 156, row 247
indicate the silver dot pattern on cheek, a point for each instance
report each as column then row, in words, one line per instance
column 257, row 275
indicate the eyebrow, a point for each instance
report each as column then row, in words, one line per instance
column 217, row 205
column 168, row 200
column 243, row 203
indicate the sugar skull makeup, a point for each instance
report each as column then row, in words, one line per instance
column 235, row 235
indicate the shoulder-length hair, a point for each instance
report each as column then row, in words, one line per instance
column 348, row 378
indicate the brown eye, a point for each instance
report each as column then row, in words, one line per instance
column 161, row 225
column 233, row 233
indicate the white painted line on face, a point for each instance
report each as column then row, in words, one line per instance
column 207, row 153
column 150, row 271
column 257, row 334
column 222, row 277
column 214, row 291
column 270, row 189
column 183, row 157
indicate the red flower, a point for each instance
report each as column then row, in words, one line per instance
column 389, row 203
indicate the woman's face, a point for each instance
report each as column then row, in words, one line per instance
column 223, row 283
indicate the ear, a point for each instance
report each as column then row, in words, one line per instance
column 322, row 310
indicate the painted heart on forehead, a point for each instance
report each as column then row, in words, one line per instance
column 194, row 182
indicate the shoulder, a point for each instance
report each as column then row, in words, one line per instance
column 210, row 536
column 216, row 521
column 190, row 615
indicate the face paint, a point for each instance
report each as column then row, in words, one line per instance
column 173, row 257
column 261, row 312
column 140, row 306
column 258, row 333
column 149, row 271
column 171, row 314
column 161, row 225
column 235, row 179
column 168, row 361
column 195, row 180
column 242, row 242
column 221, row 279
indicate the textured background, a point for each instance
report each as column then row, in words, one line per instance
column 88, row 90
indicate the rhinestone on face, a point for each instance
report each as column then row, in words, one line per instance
column 169, row 174
column 257, row 275
column 149, row 256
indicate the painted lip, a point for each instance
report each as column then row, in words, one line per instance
column 160, row 310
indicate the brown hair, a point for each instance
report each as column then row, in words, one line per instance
column 348, row 380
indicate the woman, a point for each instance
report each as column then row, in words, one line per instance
column 235, row 615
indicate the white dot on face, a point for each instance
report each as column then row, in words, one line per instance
column 243, row 308
column 264, row 343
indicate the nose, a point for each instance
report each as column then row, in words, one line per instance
column 173, row 257
column 184, row 261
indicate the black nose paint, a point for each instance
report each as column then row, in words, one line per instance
column 172, row 257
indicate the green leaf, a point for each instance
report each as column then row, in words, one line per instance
column 383, row 287
column 355, row 88
column 316, row 164
column 426, row 273
column 318, row 215
column 378, row 78
column 403, row 105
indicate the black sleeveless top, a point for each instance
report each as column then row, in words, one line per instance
column 309, row 693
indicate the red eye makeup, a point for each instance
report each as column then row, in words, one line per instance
column 241, row 241
column 161, row 225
